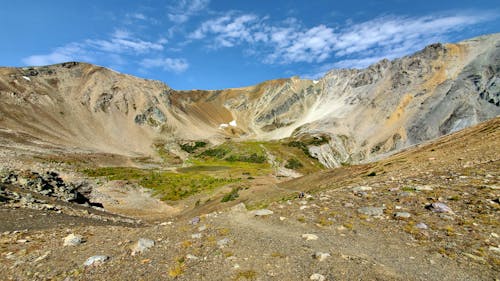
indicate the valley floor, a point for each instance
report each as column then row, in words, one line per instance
column 428, row 213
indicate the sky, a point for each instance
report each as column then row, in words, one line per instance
column 215, row 44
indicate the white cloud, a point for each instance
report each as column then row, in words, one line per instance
column 356, row 45
column 185, row 9
column 231, row 30
column 110, row 51
column 70, row 52
column 122, row 41
column 176, row 65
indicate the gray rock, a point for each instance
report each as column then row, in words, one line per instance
column 223, row 242
column 309, row 236
column 320, row 256
column 402, row 215
column 371, row 211
column 317, row 277
column 423, row 188
column 362, row 189
column 440, row 207
column 421, row 225
column 262, row 212
column 194, row 221
column 73, row 240
column 142, row 245
column 96, row 260
column 239, row 208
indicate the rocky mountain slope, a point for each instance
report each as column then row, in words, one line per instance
column 428, row 213
column 362, row 113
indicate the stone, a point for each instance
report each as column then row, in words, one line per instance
column 142, row 245
column 309, row 236
column 371, row 211
column 96, row 260
column 196, row 235
column 423, row 188
column 402, row 215
column 282, row 218
column 191, row 257
column 320, row 256
column 421, row 225
column 262, row 212
column 202, row 228
column 317, row 277
column 440, row 207
column 73, row 240
column 223, row 242
column 194, row 221
column 361, row 189
column 239, row 208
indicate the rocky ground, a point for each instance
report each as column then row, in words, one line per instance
column 427, row 213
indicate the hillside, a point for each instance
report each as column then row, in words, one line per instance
column 391, row 105
column 430, row 212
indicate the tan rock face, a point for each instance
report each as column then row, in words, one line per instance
column 386, row 107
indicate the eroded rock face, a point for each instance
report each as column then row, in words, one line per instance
column 369, row 112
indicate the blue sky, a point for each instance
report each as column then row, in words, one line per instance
column 210, row 44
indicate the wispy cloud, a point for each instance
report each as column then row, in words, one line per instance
column 184, row 9
column 122, row 41
column 103, row 51
column 355, row 46
column 176, row 65
column 230, row 30
column 69, row 52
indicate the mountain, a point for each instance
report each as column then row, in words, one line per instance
column 363, row 113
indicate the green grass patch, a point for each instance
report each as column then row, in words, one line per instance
column 167, row 185
column 193, row 146
column 293, row 163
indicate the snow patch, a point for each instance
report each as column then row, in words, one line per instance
column 223, row 126
column 315, row 81
column 233, row 123
column 26, row 78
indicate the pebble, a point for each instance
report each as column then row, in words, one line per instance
column 73, row 240
column 194, row 221
column 440, row 207
column 402, row 215
column 317, row 277
column 361, row 189
column 421, row 225
column 142, row 245
column 196, row 236
column 96, row 260
column 309, row 236
column 223, row 242
column 371, row 211
column 262, row 212
column 423, row 188
column 320, row 256
column 191, row 257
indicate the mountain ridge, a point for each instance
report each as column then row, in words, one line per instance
column 383, row 108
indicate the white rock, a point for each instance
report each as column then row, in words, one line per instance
column 262, row 212
column 309, row 236
column 223, row 242
column 73, row 240
column 317, row 277
column 142, row 245
column 196, row 236
column 495, row 249
column 96, row 260
column 423, row 188
column 191, row 257
column 282, row 218
column 402, row 215
column 27, row 78
column 361, row 189
column 232, row 123
column 320, row 256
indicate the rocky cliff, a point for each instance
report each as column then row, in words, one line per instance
column 361, row 113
